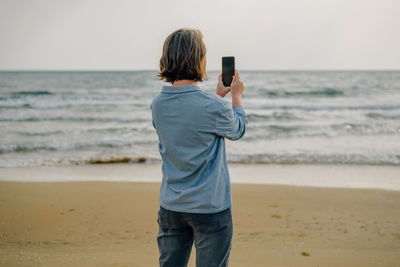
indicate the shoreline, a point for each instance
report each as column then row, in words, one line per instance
column 384, row 177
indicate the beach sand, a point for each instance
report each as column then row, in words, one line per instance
column 96, row 223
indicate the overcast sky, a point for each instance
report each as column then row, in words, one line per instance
column 261, row 34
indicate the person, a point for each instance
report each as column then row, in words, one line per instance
column 191, row 124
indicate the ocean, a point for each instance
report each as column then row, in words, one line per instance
column 313, row 117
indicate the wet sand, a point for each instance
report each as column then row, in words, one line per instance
column 114, row 224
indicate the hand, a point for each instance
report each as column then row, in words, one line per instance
column 237, row 87
column 222, row 90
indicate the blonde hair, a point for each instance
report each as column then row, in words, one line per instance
column 183, row 56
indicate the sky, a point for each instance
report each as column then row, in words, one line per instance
column 261, row 34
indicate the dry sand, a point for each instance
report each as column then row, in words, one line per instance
column 114, row 224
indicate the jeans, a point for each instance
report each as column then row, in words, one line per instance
column 211, row 232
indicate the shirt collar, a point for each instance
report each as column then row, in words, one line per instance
column 179, row 89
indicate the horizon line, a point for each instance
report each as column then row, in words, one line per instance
column 211, row 70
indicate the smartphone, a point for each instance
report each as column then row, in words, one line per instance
column 228, row 70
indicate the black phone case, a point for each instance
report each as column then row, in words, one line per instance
column 228, row 70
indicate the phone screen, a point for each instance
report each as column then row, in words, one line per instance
column 228, row 70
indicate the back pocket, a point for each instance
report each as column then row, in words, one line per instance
column 163, row 218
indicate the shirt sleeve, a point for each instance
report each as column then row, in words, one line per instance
column 231, row 122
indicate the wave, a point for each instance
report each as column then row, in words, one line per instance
column 34, row 147
column 364, row 129
column 85, row 131
column 88, row 161
column 43, row 133
column 320, row 107
column 24, row 93
column 285, row 116
column 269, row 132
column 324, row 92
column 63, row 118
column 303, row 158
column 330, row 92
column 279, row 131
column 58, row 106
column 21, row 94
column 383, row 116
column 82, row 107
column 283, row 128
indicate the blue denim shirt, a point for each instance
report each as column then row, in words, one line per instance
column 191, row 126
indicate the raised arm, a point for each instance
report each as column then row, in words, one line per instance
column 231, row 121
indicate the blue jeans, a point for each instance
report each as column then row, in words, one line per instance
column 211, row 232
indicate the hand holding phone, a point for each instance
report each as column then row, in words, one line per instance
column 222, row 90
column 237, row 87
column 230, row 76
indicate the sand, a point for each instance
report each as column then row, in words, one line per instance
column 96, row 223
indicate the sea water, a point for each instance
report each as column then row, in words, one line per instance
column 328, row 117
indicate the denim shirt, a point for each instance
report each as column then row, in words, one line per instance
column 192, row 126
